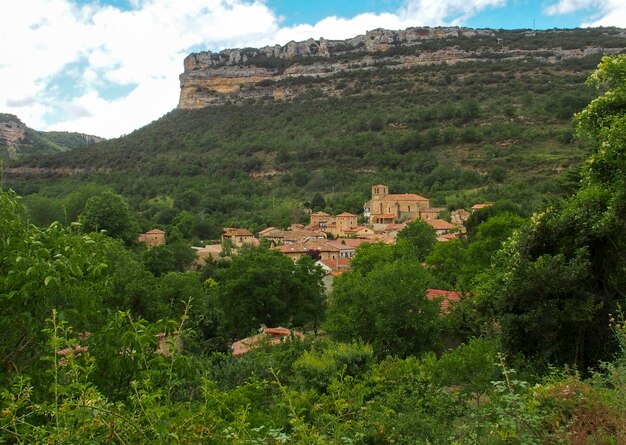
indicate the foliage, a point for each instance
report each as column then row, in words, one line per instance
column 319, row 367
column 109, row 212
column 559, row 279
column 386, row 307
column 416, row 240
column 41, row 270
column 265, row 287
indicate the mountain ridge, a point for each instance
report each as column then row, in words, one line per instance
column 234, row 75
column 17, row 139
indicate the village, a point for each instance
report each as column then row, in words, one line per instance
column 332, row 241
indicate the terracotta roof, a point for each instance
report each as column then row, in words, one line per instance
column 321, row 245
column 320, row 214
column 268, row 230
column 293, row 248
column 210, row 248
column 405, row 197
column 230, row 231
column 355, row 242
column 336, row 264
column 449, row 236
column 272, row 335
column 344, row 263
column 355, row 229
column 339, row 244
column 394, row 227
column 440, row 224
column 154, row 232
column 482, row 206
column 347, row 215
column 447, row 297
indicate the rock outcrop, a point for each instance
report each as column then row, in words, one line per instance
column 12, row 132
column 233, row 75
column 17, row 139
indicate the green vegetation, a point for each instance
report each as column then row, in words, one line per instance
column 101, row 344
column 41, row 142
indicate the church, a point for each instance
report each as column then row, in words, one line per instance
column 385, row 208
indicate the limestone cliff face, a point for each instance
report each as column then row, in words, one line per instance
column 234, row 75
column 17, row 139
column 12, row 132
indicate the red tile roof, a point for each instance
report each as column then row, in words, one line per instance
column 482, row 205
column 447, row 297
column 321, row 245
column 268, row 230
column 338, row 264
column 394, row 227
column 339, row 244
column 346, row 215
column 353, row 243
column 440, row 224
column 405, row 197
column 293, row 248
column 231, row 231
column 320, row 214
column 272, row 335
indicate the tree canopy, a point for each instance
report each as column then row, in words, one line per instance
column 264, row 286
column 557, row 282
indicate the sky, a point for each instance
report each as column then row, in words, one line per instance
column 108, row 67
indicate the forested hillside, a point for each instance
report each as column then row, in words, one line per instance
column 18, row 140
column 458, row 133
column 100, row 346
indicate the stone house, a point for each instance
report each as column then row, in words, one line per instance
column 358, row 231
column 321, row 219
column 271, row 336
column 481, row 206
column 459, row 216
column 238, row 237
column 441, row 226
column 152, row 238
column 294, row 251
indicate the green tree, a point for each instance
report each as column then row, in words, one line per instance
column 42, row 210
column 471, row 365
column 109, row 211
column 446, row 263
column 318, row 203
column 370, row 257
column 264, row 286
column 74, row 203
column 489, row 237
column 42, row 270
column 416, row 240
column 386, row 308
column 558, row 280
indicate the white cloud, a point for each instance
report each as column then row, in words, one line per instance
column 606, row 12
column 96, row 46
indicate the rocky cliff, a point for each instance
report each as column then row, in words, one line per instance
column 273, row 71
column 12, row 131
column 16, row 138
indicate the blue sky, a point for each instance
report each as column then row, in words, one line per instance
column 107, row 67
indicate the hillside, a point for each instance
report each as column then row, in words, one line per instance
column 497, row 126
column 16, row 139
